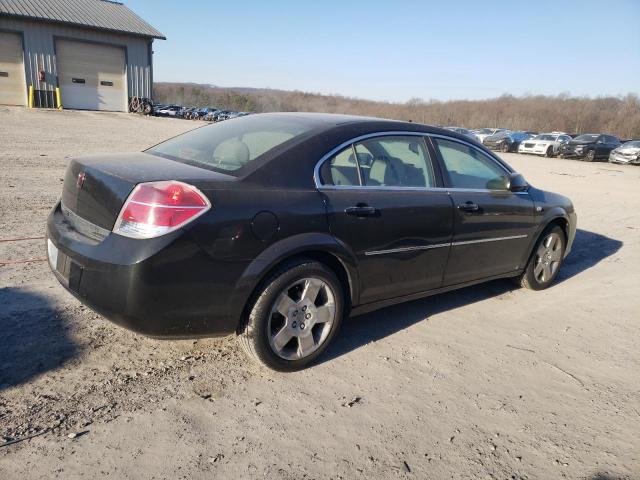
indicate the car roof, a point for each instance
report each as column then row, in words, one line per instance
column 329, row 121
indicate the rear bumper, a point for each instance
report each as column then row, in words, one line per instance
column 164, row 287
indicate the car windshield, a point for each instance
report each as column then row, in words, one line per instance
column 548, row 138
column 501, row 134
column 587, row 138
column 233, row 144
column 633, row 144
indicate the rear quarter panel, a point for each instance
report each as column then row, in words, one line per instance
column 244, row 233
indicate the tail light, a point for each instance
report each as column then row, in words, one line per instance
column 157, row 208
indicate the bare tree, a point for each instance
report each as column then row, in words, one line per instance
column 616, row 115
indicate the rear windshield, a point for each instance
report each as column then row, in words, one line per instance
column 230, row 145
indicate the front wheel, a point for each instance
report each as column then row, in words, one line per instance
column 546, row 260
column 550, row 153
column 505, row 147
column 591, row 156
column 296, row 314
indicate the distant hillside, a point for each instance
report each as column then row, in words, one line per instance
column 617, row 115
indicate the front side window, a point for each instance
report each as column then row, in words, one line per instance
column 467, row 167
column 393, row 161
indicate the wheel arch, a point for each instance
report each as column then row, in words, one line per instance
column 323, row 248
column 556, row 216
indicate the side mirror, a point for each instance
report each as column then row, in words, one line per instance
column 517, row 183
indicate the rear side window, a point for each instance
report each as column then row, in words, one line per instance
column 231, row 145
column 393, row 161
column 467, row 167
column 400, row 161
column 341, row 169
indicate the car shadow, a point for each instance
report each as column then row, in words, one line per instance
column 33, row 337
column 588, row 250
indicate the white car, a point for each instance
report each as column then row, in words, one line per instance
column 482, row 133
column 544, row 144
column 628, row 152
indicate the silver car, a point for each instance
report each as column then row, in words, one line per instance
column 628, row 152
column 465, row 132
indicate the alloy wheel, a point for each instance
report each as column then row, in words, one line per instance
column 548, row 258
column 301, row 318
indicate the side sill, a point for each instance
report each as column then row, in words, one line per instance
column 370, row 307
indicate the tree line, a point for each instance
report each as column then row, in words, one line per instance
column 615, row 115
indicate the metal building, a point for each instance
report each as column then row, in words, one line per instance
column 97, row 52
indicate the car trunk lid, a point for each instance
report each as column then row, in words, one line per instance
column 96, row 187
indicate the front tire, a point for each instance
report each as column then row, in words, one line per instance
column 550, row 153
column 546, row 260
column 505, row 147
column 591, row 156
column 296, row 314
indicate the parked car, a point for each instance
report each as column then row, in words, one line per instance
column 200, row 113
column 628, row 152
column 465, row 132
column 170, row 110
column 544, row 144
column 210, row 115
column 220, row 115
column 506, row 141
column 589, row 147
column 483, row 133
column 186, row 113
column 266, row 226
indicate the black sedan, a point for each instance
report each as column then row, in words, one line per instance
column 275, row 227
column 589, row 147
column 506, row 141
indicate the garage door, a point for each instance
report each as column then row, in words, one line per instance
column 91, row 76
column 13, row 87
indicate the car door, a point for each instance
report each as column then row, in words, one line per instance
column 492, row 225
column 384, row 203
column 611, row 143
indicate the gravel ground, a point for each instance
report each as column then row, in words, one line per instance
column 486, row 382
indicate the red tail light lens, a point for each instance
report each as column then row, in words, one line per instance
column 157, row 208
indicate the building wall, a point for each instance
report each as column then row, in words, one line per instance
column 39, row 54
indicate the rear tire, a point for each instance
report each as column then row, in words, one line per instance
column 545, row 261
column 295, row 315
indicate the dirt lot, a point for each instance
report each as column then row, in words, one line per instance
column 487, row 382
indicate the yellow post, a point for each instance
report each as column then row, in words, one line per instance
column 30, row 96
column 58, row 99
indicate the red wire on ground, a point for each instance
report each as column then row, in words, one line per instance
column 31, row 260
column 20, row 239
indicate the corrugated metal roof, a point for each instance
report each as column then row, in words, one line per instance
column 102, row 14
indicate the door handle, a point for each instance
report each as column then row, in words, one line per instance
column 469, row 207
column 362, row 211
